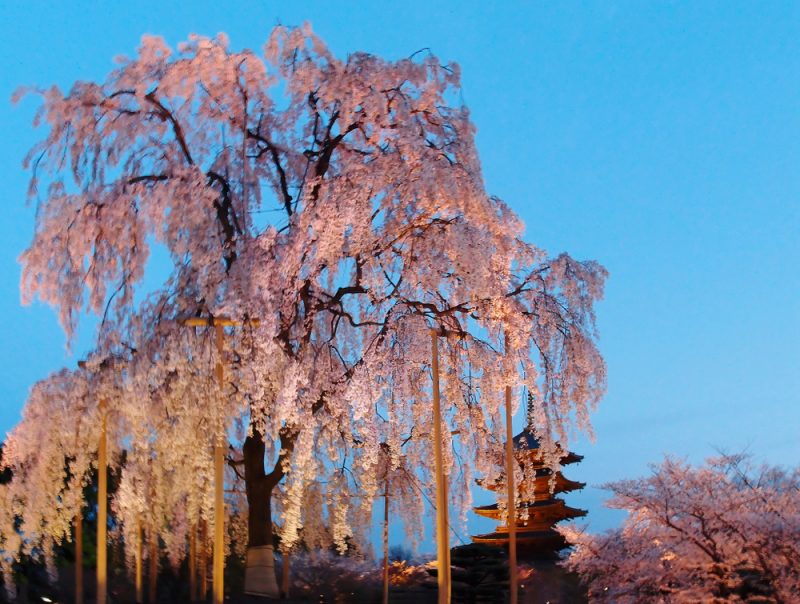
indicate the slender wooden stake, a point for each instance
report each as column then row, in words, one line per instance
column 153, row 571
column 102, row 510
column 386, row 543
column 79, row 557
column 139, row 566
column 285, row 576
column 203, row 560
column 193, row 563
column 220, row 444
column 219, row 525
column 219, row 503
column 442, row 524
column 511, row 512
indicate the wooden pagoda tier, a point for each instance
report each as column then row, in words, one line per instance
column 541, row 514
column 530, row 544
column 527, row 448
column 539, row 510
column 540, row 487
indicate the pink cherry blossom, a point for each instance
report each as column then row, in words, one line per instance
column 340, row 203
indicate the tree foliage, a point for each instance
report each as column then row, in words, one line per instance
column 336, row 210
column 723, row 532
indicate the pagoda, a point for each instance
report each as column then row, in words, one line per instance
column 536, row 537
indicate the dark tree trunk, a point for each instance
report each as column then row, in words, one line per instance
column 260, row 576
column 259, row 517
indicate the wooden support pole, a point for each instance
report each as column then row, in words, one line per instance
column 203, row 560
column 511, row 512
column 219, row 525
column 442, row 523
column 152, row 574
column 102, row 509
column 219, row 478
column 139, row 564
column 386, row 542
column 193, row 563
column 79, row 557
column 218, row 574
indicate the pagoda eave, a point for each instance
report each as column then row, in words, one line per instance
column 541, row 485
column 547, row 539
column 553, row 510
column 534, row 457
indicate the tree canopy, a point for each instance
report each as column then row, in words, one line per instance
column 727, row 531
column 335, row 209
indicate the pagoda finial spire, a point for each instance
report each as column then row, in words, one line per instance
column 530, row 419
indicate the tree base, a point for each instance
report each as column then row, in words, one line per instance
column 259, row 574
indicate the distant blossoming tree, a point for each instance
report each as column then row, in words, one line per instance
column 341, row 204
column 723, row 532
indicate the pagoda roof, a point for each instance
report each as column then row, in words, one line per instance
column 571, row 457
column 549, row 507
column 538, row 486
column 562, row 483
column 526, row 504
column 526, row 441
column 549, row 539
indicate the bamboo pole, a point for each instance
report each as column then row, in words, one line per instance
column 102, row 509
column 193, row 563
column 203, row 560
column 79, row 557
column 386, row 543
column 511, row 511
column 442, row 524
column 219, row 525
column 218, row 574
column 219, row 503
column 153, row 564
column 221, row 321
column 139, row 570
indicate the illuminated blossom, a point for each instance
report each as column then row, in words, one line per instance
column 340, row 203
column 723, row 532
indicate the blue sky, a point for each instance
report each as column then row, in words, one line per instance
column 662, row 139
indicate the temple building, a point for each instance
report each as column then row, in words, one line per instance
column 536, row 537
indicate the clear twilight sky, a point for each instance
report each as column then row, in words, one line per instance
column 661, row 139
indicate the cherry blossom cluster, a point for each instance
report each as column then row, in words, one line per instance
column 334, row 213
column 727, row 531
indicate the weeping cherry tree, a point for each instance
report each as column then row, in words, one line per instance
column 334, row 208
